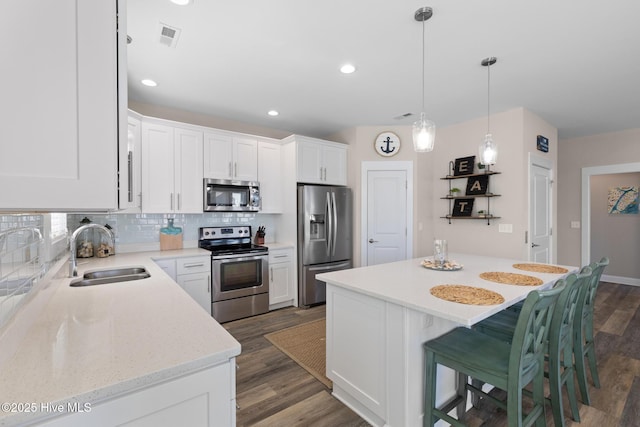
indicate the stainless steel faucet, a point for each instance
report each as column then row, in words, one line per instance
column 73, row 266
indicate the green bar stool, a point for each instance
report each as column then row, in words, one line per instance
column 486, row 359
column 583, row 340
column 559, row 345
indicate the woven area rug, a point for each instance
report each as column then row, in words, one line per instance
column 306, row 345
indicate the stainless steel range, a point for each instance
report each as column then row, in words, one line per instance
column 239, row 272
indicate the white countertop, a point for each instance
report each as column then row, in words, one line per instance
column 407, row 283
column 91, row 343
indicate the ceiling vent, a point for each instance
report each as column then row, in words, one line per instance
column 403, row 116
column 169, row 35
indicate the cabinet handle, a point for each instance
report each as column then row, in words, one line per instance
column 271, row 274
column 235, row 169
column 325, row 174
column 230, row 171
column 320, row 173
column 208, row 284
column 171, row 198
column 193, row 265
column 179, row 202
column 280, row 256
column 130, row 180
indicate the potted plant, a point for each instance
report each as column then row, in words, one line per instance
column 482, row 213
column 454, row 192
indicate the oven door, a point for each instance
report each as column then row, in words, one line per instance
column 236, row 276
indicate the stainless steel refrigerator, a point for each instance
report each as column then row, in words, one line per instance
column 324, row 238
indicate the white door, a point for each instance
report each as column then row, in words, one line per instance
column 540, row 214
column 386, row 231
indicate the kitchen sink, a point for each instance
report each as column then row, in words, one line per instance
column 115, row 275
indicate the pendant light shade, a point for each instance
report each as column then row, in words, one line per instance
column 424, row 130
column 488, row 149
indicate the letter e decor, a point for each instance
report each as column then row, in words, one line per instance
column 462, row 207
column 464, row 166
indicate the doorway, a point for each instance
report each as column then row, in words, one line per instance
column 386, row 212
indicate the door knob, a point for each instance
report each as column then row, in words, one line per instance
column 533, row 245
column 373, row 241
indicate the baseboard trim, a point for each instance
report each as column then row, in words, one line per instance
column 621, row 280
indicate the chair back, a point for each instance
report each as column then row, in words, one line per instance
column 585, row 303
column 564, row 311
column 530, row 336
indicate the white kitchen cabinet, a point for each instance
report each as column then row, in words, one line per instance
column 270, row 176
column 202, row 399
column 320, row 162
column 281, row 272
column 60, row 104
column 230, row 156
column 194, row 276
column 130, row 170
column 168, row 265
column 171, row 169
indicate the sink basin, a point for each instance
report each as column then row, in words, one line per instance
column 115, row 275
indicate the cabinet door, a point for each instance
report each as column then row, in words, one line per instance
column 130, row 167
column 157, row 168
column 245, row 159
column 169, row 266
column 218, row 156
column 280, row 280
column 309, row 162
column 198, row 286
column 334, row 162
column 59, row 105
column 188, row 171
column 270, row 177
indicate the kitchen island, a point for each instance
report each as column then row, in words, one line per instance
column 109, row 354
column 379, row 316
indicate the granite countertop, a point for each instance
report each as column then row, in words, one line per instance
column 407, row 283
column 92, row 343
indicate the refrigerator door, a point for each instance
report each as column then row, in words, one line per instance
column 341, row 232
column 314, row 220
column 312, row 291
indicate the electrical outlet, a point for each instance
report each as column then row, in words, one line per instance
column 505, row 228
column 575, row 224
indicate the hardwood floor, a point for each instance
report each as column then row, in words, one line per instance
column 272, row 390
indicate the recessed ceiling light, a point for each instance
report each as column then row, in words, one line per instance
column 347, row 69
column 272, row 113
column 149, row 82
column 181, row 2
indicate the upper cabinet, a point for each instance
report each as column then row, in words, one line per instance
column 60, row 105
column 270, row 176
column 229, row 156
column 320, row 162
column 171, row 169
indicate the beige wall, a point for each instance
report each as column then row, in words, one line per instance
column 573, row 155
column 611, row 233
column 514, row 130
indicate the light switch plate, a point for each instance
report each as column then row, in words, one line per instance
column 505, row 228
column 575, row 224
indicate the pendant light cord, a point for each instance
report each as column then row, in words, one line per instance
column 423, row 55
column 488, row 98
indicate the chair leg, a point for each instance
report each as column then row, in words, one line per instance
column 514, row 405
column 555, row 389
column 591, row 357
column 568, row 379
column 430, row 373
column 538, row 398
column 461, row 387
column 581, row 372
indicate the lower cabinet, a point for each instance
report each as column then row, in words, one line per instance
column 202, row 399
column 194, row 276
column 281, row 273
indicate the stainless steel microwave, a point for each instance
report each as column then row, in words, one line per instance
column 226, row 195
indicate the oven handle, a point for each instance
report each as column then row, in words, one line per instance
column 240, row 257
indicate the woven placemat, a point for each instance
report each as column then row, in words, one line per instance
column 541, row 268
column 467, row 295
column 511, row 278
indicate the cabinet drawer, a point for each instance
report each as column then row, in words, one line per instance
column 193, row 265
column 280, row 255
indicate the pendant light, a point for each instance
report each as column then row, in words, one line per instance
column 424, row 130
column 488, row 149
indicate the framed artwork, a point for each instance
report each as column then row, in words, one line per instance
column 464, row 166
column 462, row 207
column 387, row 144
column 623, row 200
column 542, row 144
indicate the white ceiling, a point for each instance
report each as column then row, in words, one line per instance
column 574, row 63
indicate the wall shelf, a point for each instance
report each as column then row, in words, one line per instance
column 488, row 195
